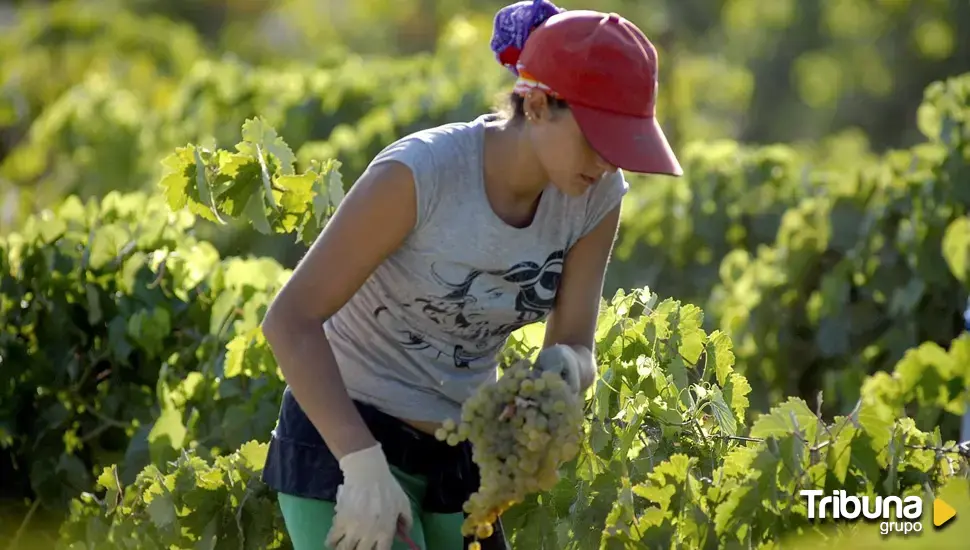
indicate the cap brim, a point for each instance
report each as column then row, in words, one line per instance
column 634, row 144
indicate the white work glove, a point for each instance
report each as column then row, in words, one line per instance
column 369, row 503
column 563, row 361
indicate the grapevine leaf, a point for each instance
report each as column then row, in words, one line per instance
column 180, row 167
column 266, row 179
column 745, row 501
column 202, row 186
column 108, row 242
column 167, row 434
column 256, row 133
column 877, row 423
column 93, row 299
column 722, row 413
column 793, row 458
column 778, row 421
column 956, row 249
column 254, row 454
column 161, row 510
column 335, row 185
column 109, row 481
column 256, row 213
column 235, row 356
column 655, row 492
column 676, row 467
column 719, row 351
column 241, row 179
column 209, row 538
column 691, row 335
column 534, row 522
column 296, row 199
column 735, row 393
column 839, row 453
column 678, row 373
column 223, row 311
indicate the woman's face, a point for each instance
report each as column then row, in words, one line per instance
column 566, row 156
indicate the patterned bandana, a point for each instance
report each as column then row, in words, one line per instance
column 512, row 27
column 527, row 82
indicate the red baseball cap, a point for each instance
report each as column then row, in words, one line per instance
column 605, row 68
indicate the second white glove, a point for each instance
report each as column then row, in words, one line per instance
column 369, row 503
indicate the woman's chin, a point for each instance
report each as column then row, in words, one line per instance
column 574, row 188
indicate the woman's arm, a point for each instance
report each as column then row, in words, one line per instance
column 371, row 222
column 573, row 318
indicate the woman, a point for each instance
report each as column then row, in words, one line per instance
column 451, row 239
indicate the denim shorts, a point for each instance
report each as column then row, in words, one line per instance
column 299, row 462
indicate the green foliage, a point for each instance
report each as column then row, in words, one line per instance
column 668, row 457
column 122, row 342
column 191, row 504
column 855, row 276
column 927, row 383
column 104, row 133
column 257, row 182
column 671, row 461
column 732, row 197
column 55, row 47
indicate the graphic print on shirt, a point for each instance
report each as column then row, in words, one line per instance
column 467, row 309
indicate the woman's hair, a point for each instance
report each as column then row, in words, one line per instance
column 510, row 106
column 513, row 25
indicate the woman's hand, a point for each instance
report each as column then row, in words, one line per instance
column 567, row 362
column 370, row 503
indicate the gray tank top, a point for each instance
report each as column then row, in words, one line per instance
column 423, row 331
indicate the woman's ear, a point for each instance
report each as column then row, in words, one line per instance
column 536, row 105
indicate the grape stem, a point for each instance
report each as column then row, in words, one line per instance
column 267, row 182
column 404, row 536
column 509, row 410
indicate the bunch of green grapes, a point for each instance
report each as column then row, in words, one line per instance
column 522, row 428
